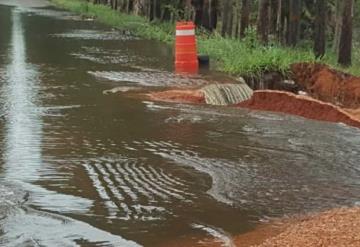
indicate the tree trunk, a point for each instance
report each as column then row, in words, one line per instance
column 279, row 21
column 273, row 16
column 213, row 9
column 156, row 9
column 123, row 6
column 320, row 28
column 205, row 13
column 139, row 7
column 205, row 20
column 129, row 6
column 237, row 19
column 245, row 17
column 227, row 11
column 338, row 22
column 294, row 22
column 198, row 6
column 229, row 31
column 263, row 21
column 150, row 12
column 345, row 46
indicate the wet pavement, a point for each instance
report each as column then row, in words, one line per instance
column 80, row 168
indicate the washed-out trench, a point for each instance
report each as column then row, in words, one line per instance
column 322, row 94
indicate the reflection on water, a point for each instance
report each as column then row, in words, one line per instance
column 23, row 122
column 23, row 160
column 87, row 169
column 27, row 227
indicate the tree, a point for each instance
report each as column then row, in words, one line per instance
column 245, row 17
column 199, row 9
column 156, row 9
column 279, row 21
column 205, row 13
column 226, row 17
column 294, row 22
column 263, row 21
column 213, row 12
column 273, row 15
column 232, row 12
column 345, row 46
column 320, row 27
column 208, row 16
column 338, row 22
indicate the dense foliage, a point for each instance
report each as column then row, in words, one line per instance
column 245, row 36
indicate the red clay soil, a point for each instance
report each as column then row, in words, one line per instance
column 334, row 228
column 354, row 112
column 327, row 84
column 278, row 101
column 180, row 96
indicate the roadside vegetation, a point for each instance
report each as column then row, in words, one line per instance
column 243, row 41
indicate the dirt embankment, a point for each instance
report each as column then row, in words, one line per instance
column 326, row 84
column 335, row 96
column 278, row 101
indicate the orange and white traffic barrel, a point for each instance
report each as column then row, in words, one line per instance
column 186, row 59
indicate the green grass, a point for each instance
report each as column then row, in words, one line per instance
column 246, row 57
column 104, row 14
column 250, row 58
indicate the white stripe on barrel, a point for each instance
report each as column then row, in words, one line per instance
column 189, row 32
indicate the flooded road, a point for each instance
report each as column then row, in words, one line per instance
column 80, row 168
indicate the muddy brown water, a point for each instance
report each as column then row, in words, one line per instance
column 79, row 168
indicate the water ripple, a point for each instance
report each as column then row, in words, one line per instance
column 261, row 179
column 94, row 35
column 151, row 78
column 132, row 190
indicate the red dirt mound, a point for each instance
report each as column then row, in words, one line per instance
column 304, row 106
column 326, row 84
column 180, row 96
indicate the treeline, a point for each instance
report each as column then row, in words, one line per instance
column 325, row 24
